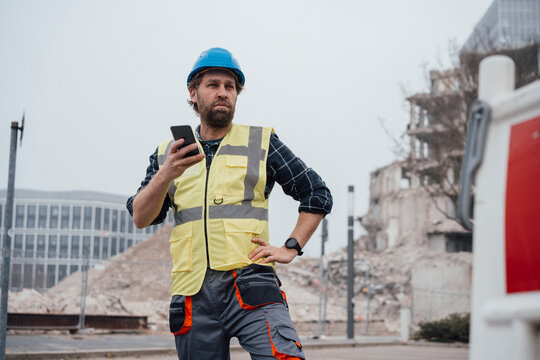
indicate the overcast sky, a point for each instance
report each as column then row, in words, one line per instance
column 102, row 81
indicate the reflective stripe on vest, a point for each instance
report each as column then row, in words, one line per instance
column 236, row 208
column 237, row 212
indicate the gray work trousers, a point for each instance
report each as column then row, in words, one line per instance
column 245, row 303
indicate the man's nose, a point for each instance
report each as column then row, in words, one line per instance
column 222, row 92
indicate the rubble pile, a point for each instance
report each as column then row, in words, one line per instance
column 137, row 282
column 384, row 277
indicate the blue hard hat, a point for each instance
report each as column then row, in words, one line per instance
column 217, row 58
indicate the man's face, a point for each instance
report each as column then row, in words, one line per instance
column 215, row 98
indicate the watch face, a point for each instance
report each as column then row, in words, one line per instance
column 291, row 243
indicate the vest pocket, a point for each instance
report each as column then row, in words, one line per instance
column 239, row 233
column 180, row 247
column 235, row 173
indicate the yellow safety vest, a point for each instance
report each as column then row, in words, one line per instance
column 222, row 209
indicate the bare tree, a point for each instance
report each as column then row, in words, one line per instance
column 439, row 118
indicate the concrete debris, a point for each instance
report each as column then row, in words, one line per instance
column 383, row 276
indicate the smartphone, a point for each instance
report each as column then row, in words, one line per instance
column 185, row 132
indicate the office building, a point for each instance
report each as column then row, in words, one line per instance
column 55, row 232
column 506, row 24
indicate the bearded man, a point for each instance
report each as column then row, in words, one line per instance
column 224, row 284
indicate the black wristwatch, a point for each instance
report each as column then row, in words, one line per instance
column 292, row 243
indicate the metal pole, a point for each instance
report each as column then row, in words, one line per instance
column 412, row 306
column 350, row 267
column 84, row 286
column 325, row 300
column 369, row 296
column 8, row 234
column 324, row 237
column 430, row 318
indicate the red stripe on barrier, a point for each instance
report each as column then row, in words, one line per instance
column 523, row 208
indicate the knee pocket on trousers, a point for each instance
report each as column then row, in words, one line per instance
column 283, row 337
column 180, row 314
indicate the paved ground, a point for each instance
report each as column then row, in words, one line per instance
column 115, row 342
column 161, row 347
column 383, row 352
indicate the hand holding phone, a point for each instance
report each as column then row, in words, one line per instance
column 185, row 132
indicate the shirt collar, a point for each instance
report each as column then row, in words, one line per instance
column 209, row 142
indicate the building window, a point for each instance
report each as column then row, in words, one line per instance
column 95, row 253
column 106, row 221
column 75, row 246
column 105, row 248
column 52, row 246
column 53, row 220
column 51, row 275
column 18, row 246
column 19, row 216
column 40, row 252
column 65, row 217
column 16, row 276
column 97, row 221
column 40, row 276
column 115, row 220
column 458, row 242
column 123, row 221
column 42, row 222
column 76, row 217
column 113, row 246
column 29, row 246
column 88, row 217
column 122, row 245
column 73, row 269
column 64, row 245
column 31, row 216
column 86, row 246
column 62, row 272
column 27, row 276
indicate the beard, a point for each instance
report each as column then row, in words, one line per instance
column 217, row 118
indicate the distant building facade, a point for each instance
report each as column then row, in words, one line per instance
column 506, row 24
column 55, row 232
column 401, row 211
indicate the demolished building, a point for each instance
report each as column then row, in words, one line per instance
column 412, row 203
column 412, row 200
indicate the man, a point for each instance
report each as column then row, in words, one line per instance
column 223, row 281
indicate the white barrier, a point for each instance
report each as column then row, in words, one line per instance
column 505, row 318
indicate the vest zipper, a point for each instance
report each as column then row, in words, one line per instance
column 205, row 214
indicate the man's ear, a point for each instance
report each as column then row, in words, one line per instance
column 193, row 95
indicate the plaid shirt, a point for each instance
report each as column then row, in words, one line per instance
column 282, row 166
